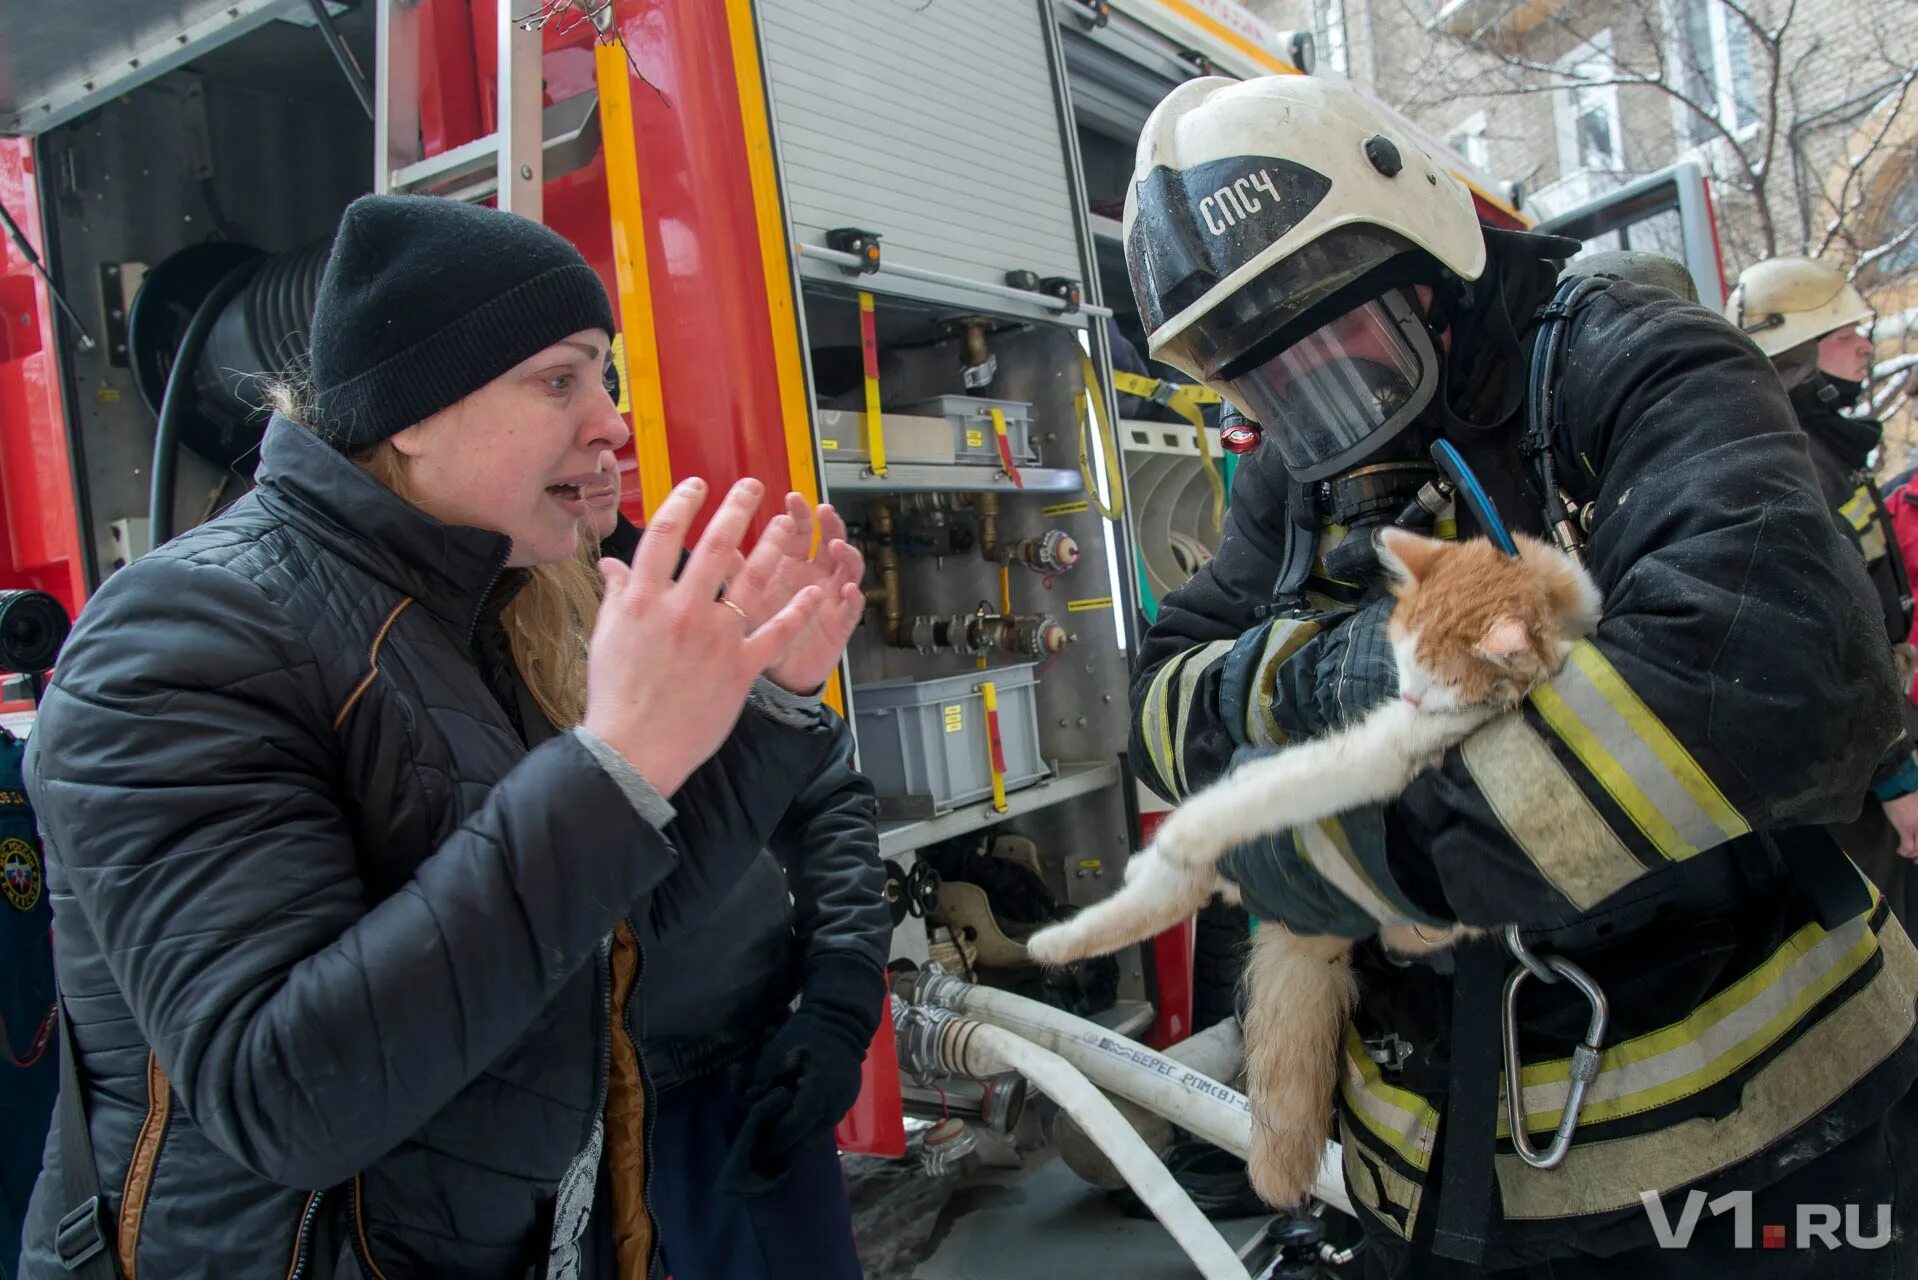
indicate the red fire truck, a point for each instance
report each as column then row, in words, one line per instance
column 867, row 249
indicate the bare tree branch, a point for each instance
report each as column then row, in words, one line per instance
column 1848, row 200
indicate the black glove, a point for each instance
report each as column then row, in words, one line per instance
column 806, row 1076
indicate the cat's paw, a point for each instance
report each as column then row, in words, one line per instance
column 1055, row 945
column 1284, row 1164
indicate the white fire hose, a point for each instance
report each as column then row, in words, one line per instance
column 937, row 1039
column 1193, row 1101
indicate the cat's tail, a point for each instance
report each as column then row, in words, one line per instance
column 1300, row 991
column 1156, row 895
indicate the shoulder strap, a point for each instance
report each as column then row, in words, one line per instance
column 81, row 1241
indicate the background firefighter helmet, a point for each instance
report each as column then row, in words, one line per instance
column 1785, row 302
column 1262, row 211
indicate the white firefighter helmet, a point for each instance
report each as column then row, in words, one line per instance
column 1783, row 303
column 1266, row 212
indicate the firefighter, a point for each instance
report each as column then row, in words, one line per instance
column 1806, row 316
column 1650, row 820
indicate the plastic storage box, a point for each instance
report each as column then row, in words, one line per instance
column 972, row 433
column 924, row 743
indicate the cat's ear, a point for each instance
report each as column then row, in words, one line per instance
column 1409, row 556
column 1507, row 642
column 1573, row 595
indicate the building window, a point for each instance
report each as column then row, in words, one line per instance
column 1328, row 32
column 1468, row 139
column 1589, row 137
column 1712, row 48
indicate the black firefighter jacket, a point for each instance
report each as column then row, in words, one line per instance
column 1739, row 683
column 334, row 940
column 1840, row 450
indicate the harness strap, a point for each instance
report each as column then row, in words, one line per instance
column 1467, row 1206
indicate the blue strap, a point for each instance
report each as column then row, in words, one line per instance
column 1474, row 494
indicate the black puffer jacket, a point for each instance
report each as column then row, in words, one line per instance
column 332, row 936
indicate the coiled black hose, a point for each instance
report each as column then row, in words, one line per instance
column 179, row 395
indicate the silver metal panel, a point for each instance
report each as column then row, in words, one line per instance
column 935, row 126
column 131, row 185
column 59, row 61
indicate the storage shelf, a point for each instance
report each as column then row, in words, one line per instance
column 1073, row 781
column 906, row 477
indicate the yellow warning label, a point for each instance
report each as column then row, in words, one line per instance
column 828, row 445
column 955, row 717
column 107, row 395
column 975, row 439
column 1064, row 509
column 1084, row 606
column 1090, row 864
column 618, row 357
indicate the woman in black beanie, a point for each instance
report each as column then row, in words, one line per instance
column 352, row 859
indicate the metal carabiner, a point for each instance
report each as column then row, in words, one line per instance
column 1584, row 1065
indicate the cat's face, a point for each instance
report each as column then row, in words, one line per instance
column 1476, row 626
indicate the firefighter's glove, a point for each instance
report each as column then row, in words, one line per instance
column 1327, row 880
column 1330, row 879
column 806, row 1076
column 1296, row 678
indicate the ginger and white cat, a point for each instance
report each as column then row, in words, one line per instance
column 1473, row 631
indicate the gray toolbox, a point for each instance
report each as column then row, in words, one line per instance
column 924, row 744
column 972, row 433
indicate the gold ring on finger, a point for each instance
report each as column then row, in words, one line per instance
column 736, row 609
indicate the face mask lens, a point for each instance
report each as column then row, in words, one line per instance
column 1358, row 379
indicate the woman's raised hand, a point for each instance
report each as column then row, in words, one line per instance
column 670, row 662
column 776, row 573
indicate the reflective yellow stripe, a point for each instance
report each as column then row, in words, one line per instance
column 1790, row 1092
column 875, row 420
column 1397, row 1117
column 1108, row 445
column 632, row 275
column 1858, row 509
column 1155, row 718
column 1546, row 814
column 1370, row 1176
column 1286, row 637
column 1635, row 757
column 1716, row 1040
column 1191, row 671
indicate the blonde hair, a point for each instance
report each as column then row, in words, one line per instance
column 548, row 623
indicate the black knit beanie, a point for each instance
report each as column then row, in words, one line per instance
column 425, row 300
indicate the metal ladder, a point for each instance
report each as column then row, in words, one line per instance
column 512, row 162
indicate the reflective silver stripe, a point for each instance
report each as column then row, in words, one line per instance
column 1328, row 850
column 1791, row 1091
column 1871, row 542
column 1286, row 637
column 1718, row 1038
column 1369, row 1176
column 1153, row 725
column 1545, row 813
column 1194, row 666
column 1635, row 757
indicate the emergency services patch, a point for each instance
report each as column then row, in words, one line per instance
column 20, row 874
